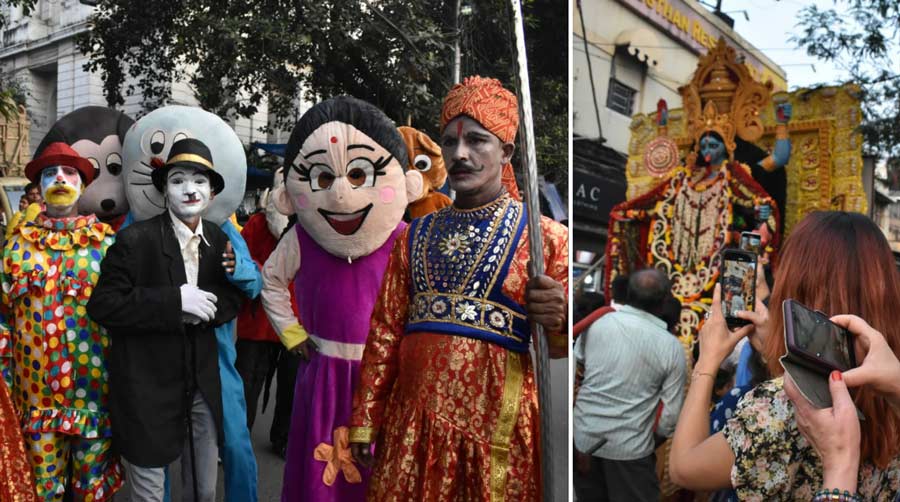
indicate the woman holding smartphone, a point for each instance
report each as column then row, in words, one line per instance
column 835, row 432
column 835, row 262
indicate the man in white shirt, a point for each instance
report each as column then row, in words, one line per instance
column 632, row 363
column 162, row 291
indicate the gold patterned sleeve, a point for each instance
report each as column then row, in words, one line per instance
column 556, row 266
column 378, row 368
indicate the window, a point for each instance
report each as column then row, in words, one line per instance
column 620, row 97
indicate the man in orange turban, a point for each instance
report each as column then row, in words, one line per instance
column 494, row 108
column 447, row 390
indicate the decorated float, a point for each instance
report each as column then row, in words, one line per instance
column 679, row 213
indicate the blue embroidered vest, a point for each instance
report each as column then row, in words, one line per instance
column 459, row 261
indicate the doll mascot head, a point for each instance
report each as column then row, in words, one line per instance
column 345, row 177
column 147, row 146
column 96, row 133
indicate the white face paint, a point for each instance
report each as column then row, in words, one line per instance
column 153, row 136
column 188, row 192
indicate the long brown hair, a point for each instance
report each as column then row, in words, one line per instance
column 840, row 263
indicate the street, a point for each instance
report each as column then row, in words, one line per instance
column 271, row 466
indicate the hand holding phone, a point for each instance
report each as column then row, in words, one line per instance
column 815, row 347
column 815, row 341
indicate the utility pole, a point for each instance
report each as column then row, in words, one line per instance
column 457, row 54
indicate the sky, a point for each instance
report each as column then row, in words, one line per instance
column 770, row 26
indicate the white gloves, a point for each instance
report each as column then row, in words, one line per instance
column 199, row 303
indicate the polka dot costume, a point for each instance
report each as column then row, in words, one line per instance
column 59, row 378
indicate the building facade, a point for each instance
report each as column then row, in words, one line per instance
column 626, row 56
column 38, row 51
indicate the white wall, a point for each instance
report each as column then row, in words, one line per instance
column 41, row 88
column 76, row 87
column 604, row 20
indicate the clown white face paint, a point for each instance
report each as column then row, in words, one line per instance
column 188, row 193
column 61, row 188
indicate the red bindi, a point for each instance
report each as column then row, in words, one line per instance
column 459, row 128
column 334, row 139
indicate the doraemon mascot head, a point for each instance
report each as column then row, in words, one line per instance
column 96, row 133
column 147, row 146
column 345, row 176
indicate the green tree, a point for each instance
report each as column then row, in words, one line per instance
column 396, row 54
column 863, row 37
column 489, row 43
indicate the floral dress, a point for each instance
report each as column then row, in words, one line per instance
column 50, row 267
column 773, row 461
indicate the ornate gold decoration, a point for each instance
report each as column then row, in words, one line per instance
column 361, row 435
column 724, row 84
column 509, row 411
column 661, row 156
column 825, row 169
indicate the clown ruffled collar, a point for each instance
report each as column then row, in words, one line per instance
column 63, row 234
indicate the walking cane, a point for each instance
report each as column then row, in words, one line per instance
column 536, row 251
column 189, row 416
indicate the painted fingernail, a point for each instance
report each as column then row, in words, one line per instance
column 836, row 376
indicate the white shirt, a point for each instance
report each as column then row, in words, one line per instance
column 189, row 243
column 631, row 363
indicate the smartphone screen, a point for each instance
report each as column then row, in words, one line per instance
column 817, row 336
column 751, row 242
column 738, row 284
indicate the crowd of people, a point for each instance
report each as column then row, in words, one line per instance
column 744, row 429
column 401, row 347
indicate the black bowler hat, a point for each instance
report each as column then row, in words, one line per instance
column 189, row 152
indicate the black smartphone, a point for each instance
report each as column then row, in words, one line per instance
column 814, row 341
column 738, row 284
column 751, row 242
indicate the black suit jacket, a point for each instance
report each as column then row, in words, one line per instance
column 155, row 360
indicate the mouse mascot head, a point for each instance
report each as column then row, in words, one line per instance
column 425, row 157
column 344, row 176
column 147, row 145
column 96, row 133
